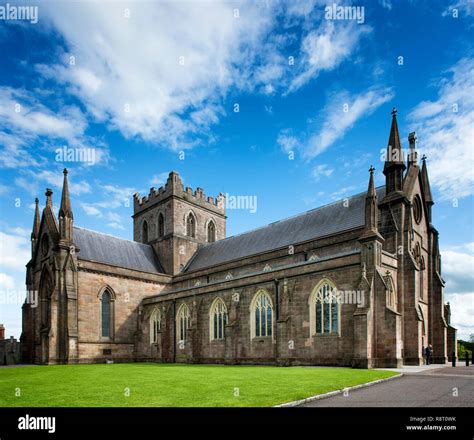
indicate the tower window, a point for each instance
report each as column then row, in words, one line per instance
column 145, row 232
column 211, row 232
column 191, row 226
column 161, row 225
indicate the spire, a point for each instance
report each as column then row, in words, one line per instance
column 394, row 166
column 36, row 221
column 371, row 189
column 394, row 147
column 371, row 210
column 65, row 214
column 371, row 204
column 65, row 209
column 425, row 183
column 36, row 228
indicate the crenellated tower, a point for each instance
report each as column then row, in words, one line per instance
column 177, row 220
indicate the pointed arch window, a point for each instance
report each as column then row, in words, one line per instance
column 261, row 315
column 107, row 314
column 144, row 232
column 324, row 309
column 218, row 319
column 191, row 225
column 155, row 325
column 183, row 322
column 211, row 232
column 391, row 293
column 161, row 225
column 46, row 289
column 422, row 272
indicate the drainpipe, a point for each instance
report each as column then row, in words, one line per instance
column 277, row 316
column 174, row 331
column 277, row 298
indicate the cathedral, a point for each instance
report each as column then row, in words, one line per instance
column 353, row 283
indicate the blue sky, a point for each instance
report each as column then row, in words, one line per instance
column 151, row 87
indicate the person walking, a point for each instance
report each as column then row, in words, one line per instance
column 431, row 354
column 428, row 355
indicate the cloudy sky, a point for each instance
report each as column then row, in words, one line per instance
column 263, row 98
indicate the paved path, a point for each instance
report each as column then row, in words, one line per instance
column 435, row 386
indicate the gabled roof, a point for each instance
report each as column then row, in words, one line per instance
column 103, row 248
column 330, row 219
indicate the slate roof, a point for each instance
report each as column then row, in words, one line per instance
column 107, row 249
column 326, row 220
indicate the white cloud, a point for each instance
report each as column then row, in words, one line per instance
column 14, row 251
column 91, row 210
column 342, row 111
column 458, row 267
column 322, row 170
column 387, row 4
column 325, row 48
column 20, row 110
column 28, row 129
column 32, row 179
column 343, row 192
column 186, row 59
column 117, row 226
column 462, row 313
column 116, row 197
column 170, row 88
column 7, row 282
column 287, row 141
column 445, row 129
column 159, row 179
column 56, row 179
column 461, row 8
column 458, row 271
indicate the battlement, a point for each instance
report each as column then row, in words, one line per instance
column 174, row 188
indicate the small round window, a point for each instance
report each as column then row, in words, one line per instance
column 417, row 210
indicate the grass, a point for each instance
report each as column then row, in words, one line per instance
column 168, row 385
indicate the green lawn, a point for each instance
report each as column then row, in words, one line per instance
column 161, row 385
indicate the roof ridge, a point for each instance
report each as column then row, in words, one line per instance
column 286, row 218
column 112, row 236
